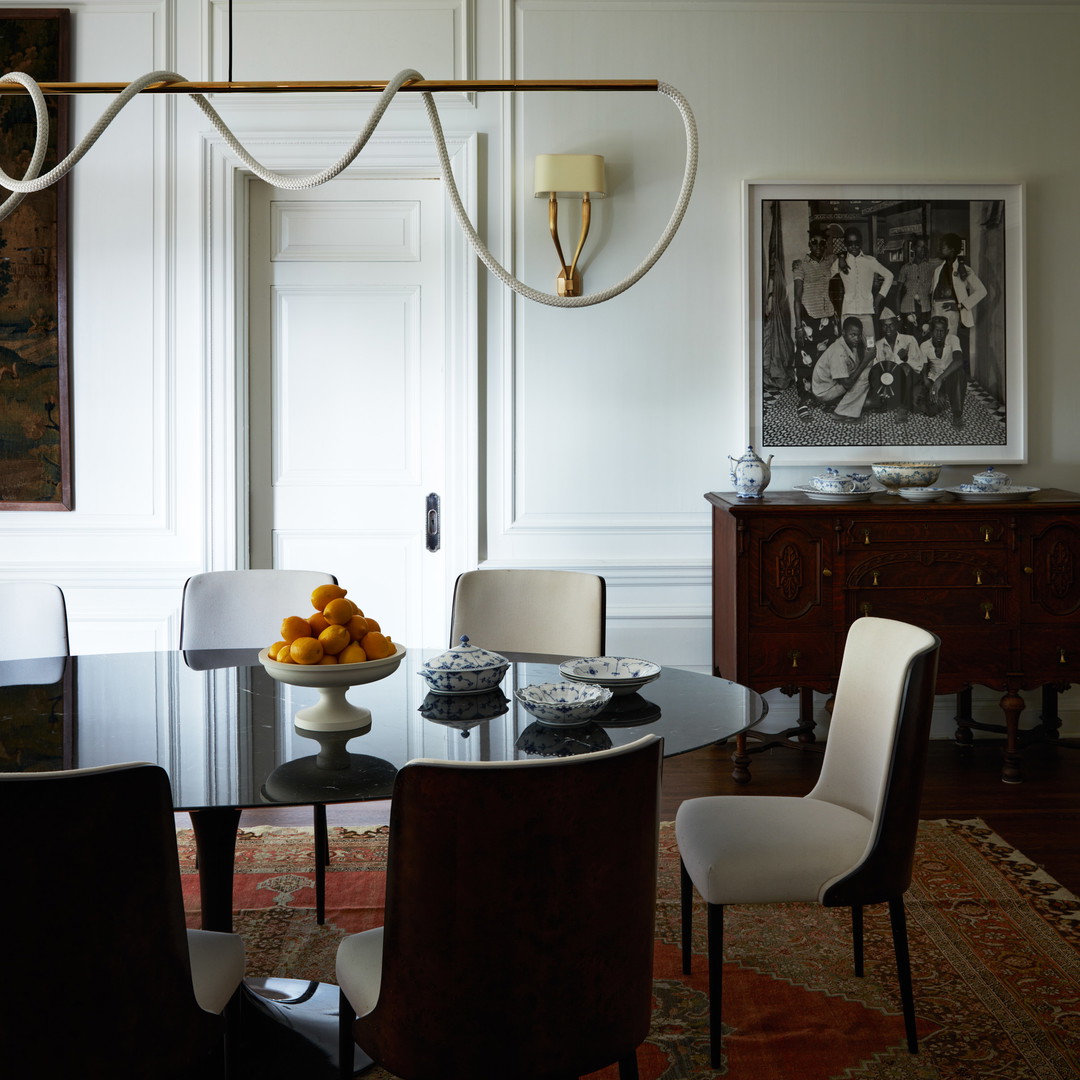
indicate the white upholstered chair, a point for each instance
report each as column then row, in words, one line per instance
column 101, row 978
column 531, row 611
column 519, row 921
column 243, row 609
column 851, row 840
column 33, row 620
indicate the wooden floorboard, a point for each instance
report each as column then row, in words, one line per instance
column 1040, row 817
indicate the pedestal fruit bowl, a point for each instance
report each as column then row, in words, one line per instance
column 332, row 712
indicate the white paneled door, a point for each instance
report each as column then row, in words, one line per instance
column 347, row 343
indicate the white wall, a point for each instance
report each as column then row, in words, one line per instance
column 603, row 427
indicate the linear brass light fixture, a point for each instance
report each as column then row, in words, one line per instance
column 406, row 81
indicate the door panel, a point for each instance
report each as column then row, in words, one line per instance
column 347, row 337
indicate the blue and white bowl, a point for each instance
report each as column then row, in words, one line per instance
column 620, row 674
column 464, row 669
column 906, row 474
column 563, row 703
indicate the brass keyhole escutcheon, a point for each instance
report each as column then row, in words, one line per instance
column 986, row 608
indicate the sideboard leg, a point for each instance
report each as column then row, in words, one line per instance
column 1012, row 705
column 806, row 715
column 963, row 717
column 740, row 760
column 1049, row 719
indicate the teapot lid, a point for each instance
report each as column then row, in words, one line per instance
column 465, row 657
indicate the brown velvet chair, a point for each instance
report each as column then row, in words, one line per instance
column 519, row 925
column 100, row 977
column 851, row 840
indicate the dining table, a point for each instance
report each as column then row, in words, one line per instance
column 226, row 733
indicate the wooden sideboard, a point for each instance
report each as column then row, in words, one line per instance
column 998, row 582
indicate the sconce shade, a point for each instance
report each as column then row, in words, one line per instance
column 569, row 174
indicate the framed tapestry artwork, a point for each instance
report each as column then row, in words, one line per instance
column 885, row 322
column 35, row 415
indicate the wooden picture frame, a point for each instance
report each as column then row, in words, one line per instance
column 35, row 406
column 801, row 417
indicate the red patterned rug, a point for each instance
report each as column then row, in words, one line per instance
column 994, row 944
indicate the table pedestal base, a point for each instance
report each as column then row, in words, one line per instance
column 290, row 1025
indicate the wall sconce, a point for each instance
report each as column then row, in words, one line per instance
column 572, row 175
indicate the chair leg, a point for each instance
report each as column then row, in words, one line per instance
column 346, row 1045
column 716, row 979
column 322, row 860
column 898, row 919
column 857, row 938
column 687, row 907
column 628, row 1067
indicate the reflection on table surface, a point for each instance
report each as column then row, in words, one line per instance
column 224, row 731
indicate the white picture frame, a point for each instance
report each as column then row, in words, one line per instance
column 788, row 420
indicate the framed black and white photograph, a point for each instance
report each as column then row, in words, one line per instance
column 886, row 322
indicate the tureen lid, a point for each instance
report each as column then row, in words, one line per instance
column 465, row 657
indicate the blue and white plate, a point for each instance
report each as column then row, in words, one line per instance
column 975, row 493
column 924, row 494
column 620, row 674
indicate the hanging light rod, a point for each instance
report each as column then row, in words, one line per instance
column 431, row 86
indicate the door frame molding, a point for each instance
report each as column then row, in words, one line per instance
column 227, row 186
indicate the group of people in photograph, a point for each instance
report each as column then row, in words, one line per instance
column 866, row 356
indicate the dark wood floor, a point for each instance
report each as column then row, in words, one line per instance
column 1040, row 817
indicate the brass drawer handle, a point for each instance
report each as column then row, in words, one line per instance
column 875, row 581
column 986, row 534
column 866, row 536
column 986, row 607
column 1061, row 654
column 866, row 608
column 978, row 576
column 794, row 654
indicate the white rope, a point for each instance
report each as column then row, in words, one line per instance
column 32, row 182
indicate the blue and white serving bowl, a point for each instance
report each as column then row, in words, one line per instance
column 620, row 674
column 906, row 474
column 563, row 703
column 464, row 669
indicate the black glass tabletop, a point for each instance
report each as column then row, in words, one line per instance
column 226, row 732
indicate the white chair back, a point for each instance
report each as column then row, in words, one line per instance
column 33, row 620
column 243, row 609
column 530, row 611
column 867, row 711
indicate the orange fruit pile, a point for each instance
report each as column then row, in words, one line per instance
column 337, row 632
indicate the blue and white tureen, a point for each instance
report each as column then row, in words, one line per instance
column 464, row 669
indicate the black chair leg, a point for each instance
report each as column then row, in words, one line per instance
column 898, row 919
column 628, row 1068
column 857, row 938
column 687, row 907
column 346, row 1046
column 322, row 860
column 716, row 979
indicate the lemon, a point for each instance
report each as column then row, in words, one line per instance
column 352, row 654
column 318, row 623
column 376, row 645
column 333, row 639
column 323, row 594
column 357, row 626
column 294, row 627
column 306, row 650
column 339, row 610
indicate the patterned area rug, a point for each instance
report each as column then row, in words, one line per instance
column 994, row 945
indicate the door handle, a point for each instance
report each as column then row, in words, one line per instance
column 433, row 523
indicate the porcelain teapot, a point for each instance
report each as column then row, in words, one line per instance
column 750, row 475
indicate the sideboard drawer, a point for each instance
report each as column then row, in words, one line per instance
column 793, row 656
column 1050, row 652
column 867, row 531
column 909, row 567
